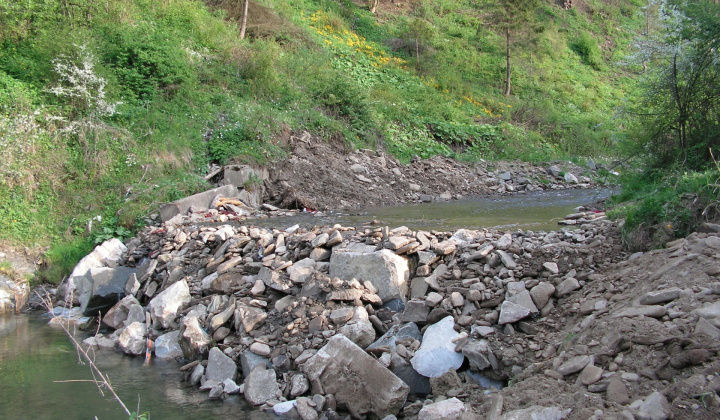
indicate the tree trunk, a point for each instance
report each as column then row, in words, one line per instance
column 243, row 25
column 507, row 59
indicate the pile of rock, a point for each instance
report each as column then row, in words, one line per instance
column 296, row 314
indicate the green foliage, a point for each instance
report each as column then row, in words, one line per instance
column 62, row 258
column 585, row 46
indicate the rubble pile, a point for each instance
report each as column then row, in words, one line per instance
column 374, row 321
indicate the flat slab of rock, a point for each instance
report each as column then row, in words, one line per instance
column 437, row 354
column 512, row 312
column 653, row 311
column 356, row 379
column 660, row 296
column 167, row 346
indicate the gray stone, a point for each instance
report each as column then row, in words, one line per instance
column 304, row 409
column 654, row 407
column 320, row 254
column 437, row 354
column 230, row 387
column 261, row 386
column 523, row 299
column 132, row 339
column 388, row 272
column 356, row 379
column 397, row 332
column 248, row 317
column 590, row 374
column 359, row 332
column 415, row 311
column 201, row 200
column 301, row 271
column 194, row 341
column 107, row 254
column 504, row 242
column 541, row 294
column 505, row 176
column 512, row 312
column 299, row 385
column 116, row 316
column 261, row 349
column 552, row 267
column 220, row 367
column 507, row 259
column 566, row 287
column 574, row 365
column 477, row 353
column 554, row 171
column 653, row 311
column 617, row 391
column 274, row 280
column 220, row 319
column 570, row 178
column 710, row 312
column 704, row 326
column 249, row 361
column 537, row 412
column 197, row 374
column 450, row 409
column 660, row 296
column 101, row 288
column 167, row 346
column 167, row 304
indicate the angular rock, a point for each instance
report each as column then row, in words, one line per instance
column 116, row 316
column 388, row 272
column 574, row 365
column 437, row 354
column 507, row 259
column 299, row 385
column 660, row 296
column 194, row 341
column 220, row 367
column 301, row 271
column 359, row 332
column 132, row 339
column 654, row 407
column 415, row 311
column 261, row 386
column 512, row 312
column 476, row 351
column 248, row 317
column 523, row 299
column 552, row 267
column 101, row 288
column 167, row 304
column 167, row 346
column 450, row 409
column 541, row 294
column 590, row 374
column 249, row 361
column 356, row 379
column 617, row 391
column 274, row 280
column 653, row 311
column 566, row 287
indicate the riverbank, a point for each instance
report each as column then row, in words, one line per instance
column 563, row 320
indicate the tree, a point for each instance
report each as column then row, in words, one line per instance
column 681, row 110
column 243, row 24
column 511, row 17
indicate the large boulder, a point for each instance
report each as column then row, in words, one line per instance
column 356, row 379
column 194, row 341
column 201, row 200
column 118, row 314
column 389, row 273
column 167, row 304
column 260, row 386
column 107, row 254
column 132, row 339
column 167, row 346
column 437, row 354
column 101, row 288
column 220, row 367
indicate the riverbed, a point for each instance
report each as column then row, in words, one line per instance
column 40, row 372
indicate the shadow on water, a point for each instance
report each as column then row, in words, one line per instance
column 34, row 356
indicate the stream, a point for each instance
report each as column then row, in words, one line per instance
column 41, row 376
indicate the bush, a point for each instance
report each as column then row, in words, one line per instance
column 587, row 48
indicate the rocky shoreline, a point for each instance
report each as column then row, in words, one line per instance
column 372, row 322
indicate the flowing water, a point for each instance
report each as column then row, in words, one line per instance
column 40, row 373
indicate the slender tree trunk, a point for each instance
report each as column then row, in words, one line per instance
column 243, row 25
column 417, row 53
column 507, row 59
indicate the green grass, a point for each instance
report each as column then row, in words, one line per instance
column 424, row 78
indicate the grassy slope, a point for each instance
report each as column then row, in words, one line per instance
column 192, row 94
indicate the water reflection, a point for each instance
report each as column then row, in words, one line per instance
column 34, row 357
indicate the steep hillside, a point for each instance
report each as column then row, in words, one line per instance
column 107, row 110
